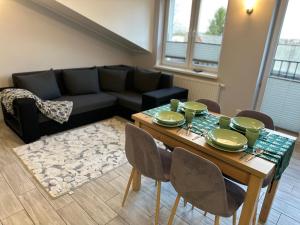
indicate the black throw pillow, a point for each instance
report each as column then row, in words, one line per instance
column 81, row 81
column 112, row 80
column 42, row 84
column 146, row 80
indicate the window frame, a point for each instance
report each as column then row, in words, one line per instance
column 188, row 64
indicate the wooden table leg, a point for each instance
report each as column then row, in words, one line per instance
column 136, row 182
column 268, row 200
column 252, row 195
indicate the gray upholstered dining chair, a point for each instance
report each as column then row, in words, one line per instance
column 267, row 120
column 200, row 182
column 211, row 105
column 148, row 159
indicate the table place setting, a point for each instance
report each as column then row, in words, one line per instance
column 232, row 135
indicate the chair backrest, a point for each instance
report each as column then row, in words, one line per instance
column 142, row 153
column 267, row 120
column 211, row 105
column 199, row 181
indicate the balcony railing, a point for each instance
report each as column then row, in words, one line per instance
column 286, row 69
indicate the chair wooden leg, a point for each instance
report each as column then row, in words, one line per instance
column 136, row 182
column 173, row 212
column 217, row 220
column 234, row 218
column 128, row 186
column 155, row 183
column 157, row 202
column 205, row 213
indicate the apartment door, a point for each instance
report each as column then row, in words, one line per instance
column 281, row 96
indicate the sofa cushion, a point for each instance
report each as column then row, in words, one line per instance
column 112, row 80
column 145, row 80
column 81, row 81
column 130, row 74
column 42, row 84
column 129, row 99
column 85, row 103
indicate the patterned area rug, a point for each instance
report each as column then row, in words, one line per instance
column 64, row 161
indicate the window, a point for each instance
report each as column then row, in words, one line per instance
column 193, row 33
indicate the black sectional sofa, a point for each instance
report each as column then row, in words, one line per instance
column 97, row 93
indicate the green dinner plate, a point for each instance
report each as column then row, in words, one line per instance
column 212, row 144
column 227, row 138
column 244, row 123
column 232, row 126
column 200, row 113
column 168, row 125
column 196, row 106
column 169, row 117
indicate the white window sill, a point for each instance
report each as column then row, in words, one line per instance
column 187, row 72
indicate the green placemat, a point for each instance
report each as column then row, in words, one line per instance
column 278, row 149
column 201, row 123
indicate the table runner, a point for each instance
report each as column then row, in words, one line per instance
column 277, row 148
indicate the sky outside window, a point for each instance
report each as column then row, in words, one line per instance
column 179, row 20
column 208, row 8
column 290, row 29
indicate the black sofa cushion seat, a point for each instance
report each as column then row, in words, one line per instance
column 146, row 80
column 42, row 84
column 81, row 81
column 129, row 99
column 112, row 80
column 86, row 103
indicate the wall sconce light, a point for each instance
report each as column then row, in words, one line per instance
column 249, row 6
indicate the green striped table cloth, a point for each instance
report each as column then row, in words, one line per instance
column 277, row 148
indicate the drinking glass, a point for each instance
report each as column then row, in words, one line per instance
column 224, row 122
column 174, row 104
column 252, row 135
column 189, row 115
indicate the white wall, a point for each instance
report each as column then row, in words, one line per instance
column 131, row 19
column 244, row 41
column 148, row 60
column 33, row 39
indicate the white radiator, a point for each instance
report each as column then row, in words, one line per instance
column 199, row 88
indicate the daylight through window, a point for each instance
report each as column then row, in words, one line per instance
column 193, row 33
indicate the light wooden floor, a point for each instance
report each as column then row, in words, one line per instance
column 23, row 202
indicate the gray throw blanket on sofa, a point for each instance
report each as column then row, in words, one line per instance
column 59, row 111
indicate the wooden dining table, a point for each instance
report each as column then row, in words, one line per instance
column 251, row 173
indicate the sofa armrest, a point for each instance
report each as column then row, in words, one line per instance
column 163, row 96
column 26, row 113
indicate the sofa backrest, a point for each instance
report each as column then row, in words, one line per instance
column 166, row 81
column 130, row 74
column 58, row 75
